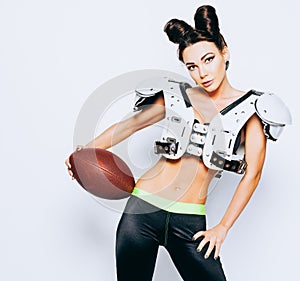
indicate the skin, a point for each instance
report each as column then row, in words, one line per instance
column 187, row 179
column 206, row 63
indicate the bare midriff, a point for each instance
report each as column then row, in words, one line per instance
column 186, row 179
column 183, row 180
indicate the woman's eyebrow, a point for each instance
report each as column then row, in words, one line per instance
column 208, row 53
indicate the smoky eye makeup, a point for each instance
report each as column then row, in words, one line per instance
column 209, row 58
column 191, row 67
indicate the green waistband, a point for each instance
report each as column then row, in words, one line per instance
column 169, row 205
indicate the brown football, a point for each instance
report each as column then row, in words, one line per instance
column 102, row 173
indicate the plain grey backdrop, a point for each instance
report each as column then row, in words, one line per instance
column 53, row 55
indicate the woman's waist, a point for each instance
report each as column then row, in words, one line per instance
column 191, row 193
column 177, row 185
column 174, row 206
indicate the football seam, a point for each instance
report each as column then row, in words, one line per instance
column 90, row 163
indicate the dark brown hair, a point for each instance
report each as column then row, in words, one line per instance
column 206, row 29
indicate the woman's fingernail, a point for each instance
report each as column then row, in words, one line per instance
column 215, row 258
column 206, row 256
column 198, row 250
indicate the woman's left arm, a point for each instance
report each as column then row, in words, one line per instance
column 255, row 150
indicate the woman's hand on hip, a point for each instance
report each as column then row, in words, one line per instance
column 214, row 236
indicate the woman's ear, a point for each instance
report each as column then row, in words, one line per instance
column 226, row 53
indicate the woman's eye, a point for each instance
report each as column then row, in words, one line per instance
column 191, row 67
column 209, row 59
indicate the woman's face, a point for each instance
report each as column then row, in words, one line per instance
column 206, row 64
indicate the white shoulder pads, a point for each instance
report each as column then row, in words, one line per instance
column 273, row 113
column 144, row 96
column 271, row 109
column 179, row 114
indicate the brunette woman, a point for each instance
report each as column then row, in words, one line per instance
column 167, row 206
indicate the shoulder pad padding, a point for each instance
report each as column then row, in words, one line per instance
column 147, row 92
column 271, row 109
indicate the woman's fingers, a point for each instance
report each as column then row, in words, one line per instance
column 203, row 242
column 217, row 251
column 198, row 234
column 213, row 243
column 70, row 172
column 210, row 248
column 79, row 147
column 67, row 162
column 215, row 237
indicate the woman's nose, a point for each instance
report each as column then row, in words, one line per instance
column 202, row 72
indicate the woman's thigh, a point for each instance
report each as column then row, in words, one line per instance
column 137, row 241
column 183, row 249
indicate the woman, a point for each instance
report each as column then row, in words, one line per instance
column 183, row 183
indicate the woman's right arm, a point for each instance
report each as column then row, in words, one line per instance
column 122, row 130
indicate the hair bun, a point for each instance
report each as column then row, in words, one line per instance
column 206, row 20
column 176, row 30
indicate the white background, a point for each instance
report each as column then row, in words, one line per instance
column 53, row 55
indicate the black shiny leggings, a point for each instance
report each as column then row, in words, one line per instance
column 144, row 227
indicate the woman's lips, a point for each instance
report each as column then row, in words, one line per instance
column 207, row 83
